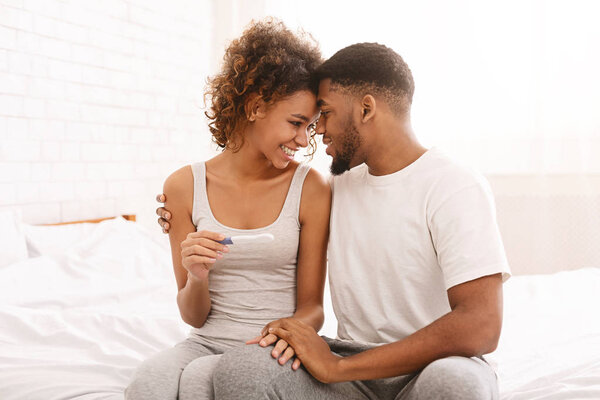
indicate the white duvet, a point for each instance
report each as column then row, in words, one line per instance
column 77, row 323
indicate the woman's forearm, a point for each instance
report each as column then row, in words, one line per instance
column 194, row 301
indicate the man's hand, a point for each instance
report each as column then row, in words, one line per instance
column 282, row 351
column 309, row 347
column 163, row 213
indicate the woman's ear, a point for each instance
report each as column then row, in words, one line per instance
column 255, row 107
column 368, row 108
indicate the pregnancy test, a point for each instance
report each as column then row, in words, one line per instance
column 241, row 239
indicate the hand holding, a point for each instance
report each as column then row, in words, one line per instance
column 199, row 252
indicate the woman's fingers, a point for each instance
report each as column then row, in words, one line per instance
column 199, row 251
column 206, row 234
column 287, row 354
column 296, row 364
column 211, row 244
column 255, row 340
column 279, row 348
column 192, row 260
column 268, row 340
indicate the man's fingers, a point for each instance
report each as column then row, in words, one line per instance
column 161, row 198
column 282, row 333
column 287, row 354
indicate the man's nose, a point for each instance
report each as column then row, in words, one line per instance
column 320, row 128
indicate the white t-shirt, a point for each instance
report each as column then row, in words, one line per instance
column 399, row 241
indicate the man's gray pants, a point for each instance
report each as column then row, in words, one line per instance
column 249, row 372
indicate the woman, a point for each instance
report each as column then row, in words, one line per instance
column 263, row 107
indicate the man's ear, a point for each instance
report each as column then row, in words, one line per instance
column 255, row 107
column 368, row 106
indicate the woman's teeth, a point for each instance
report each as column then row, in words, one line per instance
column 288, row 151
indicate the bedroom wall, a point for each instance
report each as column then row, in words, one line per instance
column 99, row 102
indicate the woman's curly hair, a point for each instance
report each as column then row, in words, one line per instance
column 268, row 60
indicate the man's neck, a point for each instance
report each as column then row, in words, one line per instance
column 394, row 147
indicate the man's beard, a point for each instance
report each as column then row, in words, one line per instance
column 349, row 144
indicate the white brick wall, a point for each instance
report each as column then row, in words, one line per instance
column 99, row 102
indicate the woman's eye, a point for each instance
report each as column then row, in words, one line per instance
column 296, row 123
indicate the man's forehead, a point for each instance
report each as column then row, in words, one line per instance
column 326, row 96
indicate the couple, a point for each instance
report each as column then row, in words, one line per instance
column 416, row 263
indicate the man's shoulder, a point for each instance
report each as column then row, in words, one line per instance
column 446, row 173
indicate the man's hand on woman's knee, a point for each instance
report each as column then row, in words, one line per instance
column 282, row 351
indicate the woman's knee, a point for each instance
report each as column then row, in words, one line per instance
column 196, row 380
column 244, row 370
column 156, row 377
column 152, row 379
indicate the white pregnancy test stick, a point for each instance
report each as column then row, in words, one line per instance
column 241, row 239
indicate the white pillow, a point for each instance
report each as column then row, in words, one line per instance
column 13, row 247
column 55, row 239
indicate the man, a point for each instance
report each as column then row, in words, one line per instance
column 415, row 256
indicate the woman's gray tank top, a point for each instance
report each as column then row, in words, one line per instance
column 253, row 284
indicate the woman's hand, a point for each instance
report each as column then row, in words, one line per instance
column 282, row 351
column 200, row 250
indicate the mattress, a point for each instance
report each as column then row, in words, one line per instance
column 75, row 323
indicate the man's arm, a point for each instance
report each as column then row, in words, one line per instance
column 472, row 328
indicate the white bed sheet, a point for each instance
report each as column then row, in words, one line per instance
column 550, row 344
column 77, row 324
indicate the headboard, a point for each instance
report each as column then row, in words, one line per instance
column 549, row 223
column 128, row 217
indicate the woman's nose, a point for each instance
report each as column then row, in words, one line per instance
column 302, row 138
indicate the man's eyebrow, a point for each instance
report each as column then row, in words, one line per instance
column 321, row 103
column 302, row 117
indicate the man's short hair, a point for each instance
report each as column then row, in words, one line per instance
column 371, row 68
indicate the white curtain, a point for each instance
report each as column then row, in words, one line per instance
column 507, row 86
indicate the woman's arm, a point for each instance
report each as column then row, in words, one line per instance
column 315, row 208
column 191, row 259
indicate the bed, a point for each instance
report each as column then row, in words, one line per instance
column 82, row 305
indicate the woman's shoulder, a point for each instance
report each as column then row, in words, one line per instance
column 316, row 185
column 180, row 184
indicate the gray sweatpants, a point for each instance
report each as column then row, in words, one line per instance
column 182, row 372
column 249, row 372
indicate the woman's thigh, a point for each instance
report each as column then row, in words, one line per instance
column 158, row 377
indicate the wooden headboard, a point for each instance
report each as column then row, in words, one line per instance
column 128, row 217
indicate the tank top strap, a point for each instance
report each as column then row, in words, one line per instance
column 291, row 206
column 200, row 207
